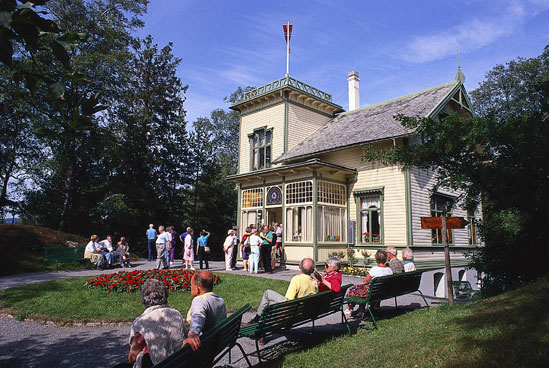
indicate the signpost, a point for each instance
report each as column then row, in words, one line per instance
column 444, row 223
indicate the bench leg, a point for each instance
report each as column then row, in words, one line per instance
column 420, row 293
column 396, row 305
column 243, row 354
column 257, row 348
column 344, row 320
column 373, row 320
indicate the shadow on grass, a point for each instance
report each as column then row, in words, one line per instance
column 510, row 330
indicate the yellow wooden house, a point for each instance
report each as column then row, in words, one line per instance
column 300, row 164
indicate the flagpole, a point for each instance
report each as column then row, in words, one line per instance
column 288, row 50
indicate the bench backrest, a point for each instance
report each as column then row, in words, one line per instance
column 212, row 344
column 332, row 302
column 63, row 252
column 283, row 315
column 391, row 286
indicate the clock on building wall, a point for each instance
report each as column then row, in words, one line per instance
column 274, row 196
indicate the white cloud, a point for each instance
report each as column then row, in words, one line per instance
column 473, row 34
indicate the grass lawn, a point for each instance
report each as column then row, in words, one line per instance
column 70, row 300
column 510, row 330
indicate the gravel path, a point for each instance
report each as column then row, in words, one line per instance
column 29, row 344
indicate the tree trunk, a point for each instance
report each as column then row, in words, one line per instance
column 64, row 225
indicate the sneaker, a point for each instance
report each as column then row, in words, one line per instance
column 193, row 269
column 347, row 312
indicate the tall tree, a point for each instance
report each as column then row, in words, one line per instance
column 90, row 61
column 151, row 141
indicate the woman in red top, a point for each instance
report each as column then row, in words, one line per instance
column 331, row 280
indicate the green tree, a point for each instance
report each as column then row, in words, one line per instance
column 513, row 89
column 151, row 145
column 89, row 60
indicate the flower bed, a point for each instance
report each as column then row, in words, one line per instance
column 354, row 271
column 126, row 282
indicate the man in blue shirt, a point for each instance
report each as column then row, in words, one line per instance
column 151, row 240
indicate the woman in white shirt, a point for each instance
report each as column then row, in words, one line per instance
column 361, row 290
column 408, row 258
column 255, row 243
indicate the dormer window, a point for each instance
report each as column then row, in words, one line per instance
column 261, row 140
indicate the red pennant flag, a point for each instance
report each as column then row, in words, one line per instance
column 287, row 35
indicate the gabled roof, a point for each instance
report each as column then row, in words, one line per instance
column 372, row 123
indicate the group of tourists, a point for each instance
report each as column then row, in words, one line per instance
column 265, row 245
column 104, row 254
column 161, row 330
column 387, row 264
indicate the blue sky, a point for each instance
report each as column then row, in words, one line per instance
column 398, row 47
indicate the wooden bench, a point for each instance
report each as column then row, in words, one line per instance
column 62, row 254
column 213, row 345
column 387, row 287
column 286, row 315
column 462, row 288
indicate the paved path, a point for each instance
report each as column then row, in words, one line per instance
column 29, row 344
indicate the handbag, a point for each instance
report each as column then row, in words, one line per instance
column 206, row 249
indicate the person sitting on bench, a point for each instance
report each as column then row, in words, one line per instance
column 331, row 280
column 158, row 332
column 207, row 309
column 301, row 285
column 361, row 290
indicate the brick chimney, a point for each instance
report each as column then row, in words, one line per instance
column 354, row 94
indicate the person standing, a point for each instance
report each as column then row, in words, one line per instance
column 279, row 250
column 266, row 248
column 245, row 249
column 151, row 240
column 228, row 248
column 173, row 233
column 169, row 245
column 201, row 245
column 255, row 244
column 236, row 241
column 188, row 251
column 162, row 243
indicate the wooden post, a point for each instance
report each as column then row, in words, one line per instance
column 447, row 262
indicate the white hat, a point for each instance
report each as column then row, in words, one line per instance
column 230, row 232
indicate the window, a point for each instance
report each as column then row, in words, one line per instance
column 300, row 192
column 440, row 205
column 299, row 224
column 331, row 193
column 331, row 224
column 274, row 196
column 472, row 227
column 261, row 141
column 370, row 218
column 332, row 216
column 252, row 217
column 252, row 198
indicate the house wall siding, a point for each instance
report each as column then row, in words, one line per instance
column 302, row 123
column 421, row 184
column 272, row 117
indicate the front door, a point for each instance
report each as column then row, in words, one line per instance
column 274, row 215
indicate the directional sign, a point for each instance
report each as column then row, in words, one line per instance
column 436, row 222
